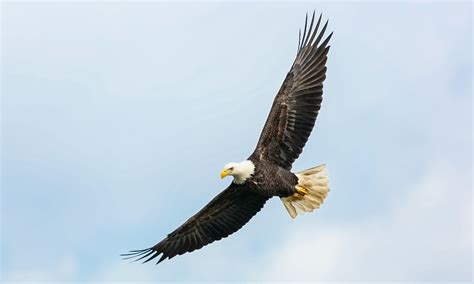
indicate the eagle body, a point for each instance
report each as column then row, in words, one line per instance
column 267, row 172
column 271, row 180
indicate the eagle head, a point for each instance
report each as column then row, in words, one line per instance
column 240, row 171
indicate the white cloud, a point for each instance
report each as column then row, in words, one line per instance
column 123, row 271
column 425, row 236
column 66, row 269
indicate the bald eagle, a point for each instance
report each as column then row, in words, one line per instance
column 267, row 172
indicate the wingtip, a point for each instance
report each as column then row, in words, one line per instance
column 306, row 37
column 163, row 257
column 138, row 254
column 330, row 35
column 299, row 39
column 326, row 24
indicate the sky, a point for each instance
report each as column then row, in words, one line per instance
column 116, row 119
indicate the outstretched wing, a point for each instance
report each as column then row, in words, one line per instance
column 224, row 215
column 298, row 101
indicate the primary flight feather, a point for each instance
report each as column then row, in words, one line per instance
column 266, row 173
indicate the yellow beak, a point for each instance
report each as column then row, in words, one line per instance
column 224, row 173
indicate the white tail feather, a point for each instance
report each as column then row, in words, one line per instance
column 316, row 182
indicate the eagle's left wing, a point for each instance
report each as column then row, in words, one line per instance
column 296, row 105
column 224, row 215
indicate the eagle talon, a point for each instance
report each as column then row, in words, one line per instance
column 297, row 196
column 300, row 191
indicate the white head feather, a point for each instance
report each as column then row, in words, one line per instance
column 240, row 171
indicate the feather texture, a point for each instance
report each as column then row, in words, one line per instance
column 295, row 108
column 222, row 216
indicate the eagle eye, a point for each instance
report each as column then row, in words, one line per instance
column 231, row 168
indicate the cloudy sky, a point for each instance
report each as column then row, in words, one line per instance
column 118, row 117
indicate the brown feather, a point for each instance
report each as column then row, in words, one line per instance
column 298, row 101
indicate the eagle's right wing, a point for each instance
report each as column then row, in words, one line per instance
column 296, row 105
column 224, row 215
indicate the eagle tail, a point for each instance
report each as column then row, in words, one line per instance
column 311, row 190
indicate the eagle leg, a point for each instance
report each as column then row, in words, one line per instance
column 300, row 192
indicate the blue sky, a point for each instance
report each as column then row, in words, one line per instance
column 118, row 117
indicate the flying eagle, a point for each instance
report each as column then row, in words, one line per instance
column 267, row 172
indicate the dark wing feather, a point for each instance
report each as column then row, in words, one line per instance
column 298, row 101
column 224, row 215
